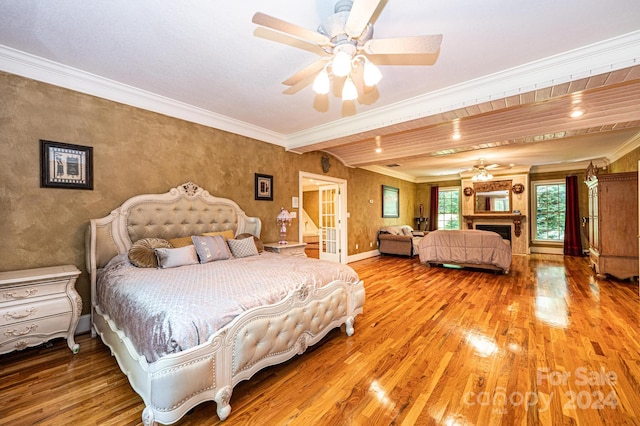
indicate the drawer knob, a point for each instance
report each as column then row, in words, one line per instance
column 14, row 333
column 28, row 293
column 15, row 315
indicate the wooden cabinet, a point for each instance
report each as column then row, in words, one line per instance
column 613, row 224
column 292, row 248
column 37, row 305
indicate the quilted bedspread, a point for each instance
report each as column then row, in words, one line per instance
column 164, row 311
column 467, row 246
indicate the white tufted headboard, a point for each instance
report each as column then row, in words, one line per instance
column 183, row 211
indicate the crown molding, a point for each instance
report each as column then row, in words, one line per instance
column 389, row 172
column 625, row 148
column 605, row 56
column 30, row 66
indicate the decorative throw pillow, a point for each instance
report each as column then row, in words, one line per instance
column 227, row 235
column 211, row 248
column 180, row 242
column 243, row 248
column 256, row 241
column 142, row 255
column 173, row 257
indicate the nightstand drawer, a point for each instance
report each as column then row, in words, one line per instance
column 32, row 333
column 32, row 311
column 20, row 293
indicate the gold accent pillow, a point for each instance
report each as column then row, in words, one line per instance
column 142, row 254
column 227, row 235
column 180, row 242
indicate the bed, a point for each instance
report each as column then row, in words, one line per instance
column 467, row 248
column 174, row 356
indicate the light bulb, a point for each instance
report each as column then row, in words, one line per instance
column 321, row 83
column 349, row 91
column 341, row 64
column 371, row 74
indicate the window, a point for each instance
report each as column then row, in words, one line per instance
column 448, row 208
column 549, row 211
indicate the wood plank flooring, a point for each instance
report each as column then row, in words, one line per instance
column 548, row 344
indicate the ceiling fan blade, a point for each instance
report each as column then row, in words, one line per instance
column 291, row 29
column 404, row 45
column 312, row 69
column 359, row 17
column 284, row 38
column 492, row 166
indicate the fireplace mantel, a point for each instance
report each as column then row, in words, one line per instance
column 516, row 218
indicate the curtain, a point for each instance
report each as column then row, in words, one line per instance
column 572, row 237
column 433, row 209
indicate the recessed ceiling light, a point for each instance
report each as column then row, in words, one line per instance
column 576, row 113
column 378, row 150
column 456, row 136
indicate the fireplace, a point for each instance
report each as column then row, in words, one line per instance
column 503, row 230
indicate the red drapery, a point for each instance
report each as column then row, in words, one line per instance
column 572, row 238
column 433, row 209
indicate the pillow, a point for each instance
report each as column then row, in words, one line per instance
column 180, row 242
column 256, row 241
column 172, row 257
column 211, row 248
column 243, row 248
column 142, row 255
column 227, row 235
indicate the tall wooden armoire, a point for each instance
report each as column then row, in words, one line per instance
column 613, row 223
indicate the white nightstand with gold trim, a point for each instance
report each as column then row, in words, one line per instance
column 292, row 248
column 37, row 305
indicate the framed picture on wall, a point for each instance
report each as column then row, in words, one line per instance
column 63, row 165
column 390, row 201
column 264, row 187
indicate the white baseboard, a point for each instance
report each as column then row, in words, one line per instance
column 364, row 255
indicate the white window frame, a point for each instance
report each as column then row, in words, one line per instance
column 534, row 210
column 449, row 189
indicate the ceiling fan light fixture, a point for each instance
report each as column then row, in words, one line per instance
column 371, row 73
column 341, row 64
column 482, row 176
column 321, row 83
column 349, row 91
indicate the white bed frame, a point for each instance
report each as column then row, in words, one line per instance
column 175, row 383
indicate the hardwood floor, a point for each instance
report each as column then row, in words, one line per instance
column 549, row 344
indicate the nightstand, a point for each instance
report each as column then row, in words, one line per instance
column 37, row 305
column 292, row 248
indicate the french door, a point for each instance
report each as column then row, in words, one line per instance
column 330, row 226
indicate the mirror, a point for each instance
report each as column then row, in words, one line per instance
column 493, row 197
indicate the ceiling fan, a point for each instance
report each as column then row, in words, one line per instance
column 346, row 42
column 482, row 171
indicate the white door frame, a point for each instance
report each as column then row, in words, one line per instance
column 343, row 243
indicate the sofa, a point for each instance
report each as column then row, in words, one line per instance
column 399, row 240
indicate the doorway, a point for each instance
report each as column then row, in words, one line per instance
column 325, row 228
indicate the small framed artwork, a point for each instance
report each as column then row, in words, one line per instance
column 64, row 165
column 264, row 187
column 390, row 201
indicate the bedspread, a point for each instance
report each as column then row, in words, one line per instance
column 468, row 246
column 169, row 310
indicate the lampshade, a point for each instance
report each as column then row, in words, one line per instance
column 371, row 74
column 321, row 83
column 284, row 215
column 349, row 91
column 341, row 64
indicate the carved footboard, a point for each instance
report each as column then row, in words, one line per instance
column 259, row 338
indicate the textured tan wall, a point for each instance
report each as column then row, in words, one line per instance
column 627, row 163
column 137, row 151
column 310, row 200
